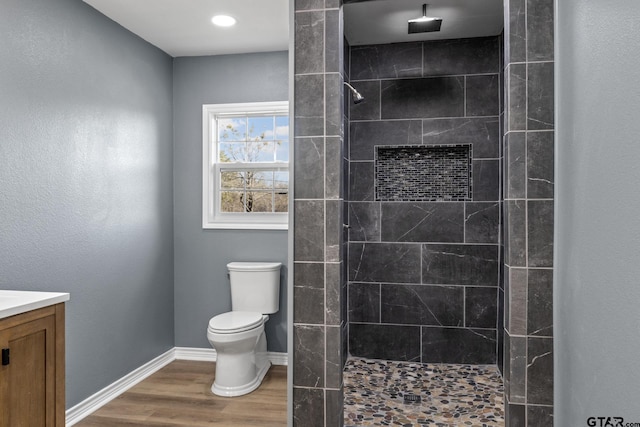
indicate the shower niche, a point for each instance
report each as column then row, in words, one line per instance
column 415, row 173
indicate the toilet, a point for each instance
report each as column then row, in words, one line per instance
column 238, row 336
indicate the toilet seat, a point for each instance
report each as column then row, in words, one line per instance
column 235, row 321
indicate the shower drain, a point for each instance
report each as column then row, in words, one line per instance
column 412, row 398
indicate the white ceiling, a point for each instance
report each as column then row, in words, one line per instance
column 385, row 21
column 183, row 27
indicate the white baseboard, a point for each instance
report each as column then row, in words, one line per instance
column 110, row 392
column 209, row 355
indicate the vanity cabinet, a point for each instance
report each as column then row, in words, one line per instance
column 32, row 369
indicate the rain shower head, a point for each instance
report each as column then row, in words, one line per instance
column 424, row 24
column 357, row 97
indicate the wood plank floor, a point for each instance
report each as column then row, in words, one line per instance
column 179, row 395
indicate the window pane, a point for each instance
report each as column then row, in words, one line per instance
column 231, row 201
column 231, row 152
column 282, row 128
column 259, row 201
column 281, row 180
column 282, row 151
column 261, row 128
column 260, row 151
column 232, row 129
column 281, row 202
column 232, row 180
column 261, row 180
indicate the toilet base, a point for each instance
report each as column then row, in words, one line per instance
column 244, row 388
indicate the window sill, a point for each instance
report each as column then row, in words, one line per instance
column 245, row 226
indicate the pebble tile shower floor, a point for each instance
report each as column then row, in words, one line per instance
column 451, row 395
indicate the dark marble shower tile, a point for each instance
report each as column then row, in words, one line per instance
column 540, row 30
column 309, row 35
column 384, row 262
column 460, row 264
column 482, row 94
column 481, row 222
column 461, row 56
column 308, row 275
column 482, row 132
column 309, row 105
column 516, row 165
column 309, row 170
column 364, row 302
column 517, row 301
column 332, row 4
column 540, row 303
column 517, row 229
column 308, row 348
column 308, row 407
column 333, row 230
column 539, row 416
column 486, row 180
column 364, row 221
column 517, row 370
column 540, row 95
column 540, row 158
column 366, row 135
column 422, row 222
column 388, row 342
column 332, row 309
column 517, row 96
column 361, row 185
column 333, row 362
column 458, row 345
column 540, row 233
column 386, row 61
column 333, row 43
column 308, row 305
column 334, row 415
column 517, row 32
column 308, row 4
column 540, row 371
column 422, row 305
column 308, row 230
column 501, row 332
column 333, row 104
column 515, row 415
column 369, row 109
column 422, row 98
column 332, row 169
column 480, row 307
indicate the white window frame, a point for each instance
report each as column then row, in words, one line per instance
column 212, row 218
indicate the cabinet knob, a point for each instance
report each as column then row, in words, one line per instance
column 5, row 356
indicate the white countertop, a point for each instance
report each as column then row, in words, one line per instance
column 16, row 302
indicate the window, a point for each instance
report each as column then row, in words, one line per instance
column 245, row 165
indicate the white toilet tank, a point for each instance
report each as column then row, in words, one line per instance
column 255, row 286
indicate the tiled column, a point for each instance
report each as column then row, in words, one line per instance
column 528, row 194
column 318, row 214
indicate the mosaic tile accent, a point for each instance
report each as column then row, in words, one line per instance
column 450, row 395
column 423, row 173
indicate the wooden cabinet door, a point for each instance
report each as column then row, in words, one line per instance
column 27, row 383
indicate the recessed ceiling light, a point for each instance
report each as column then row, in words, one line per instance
column 223, row 20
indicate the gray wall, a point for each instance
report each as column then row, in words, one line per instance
column 423, row 275
column 598, row 233
column 201, row 282
column 86, row 182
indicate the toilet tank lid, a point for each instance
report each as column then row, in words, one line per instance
column 254, row 266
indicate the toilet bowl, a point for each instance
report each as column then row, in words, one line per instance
column 241, row 346
column 238, row 336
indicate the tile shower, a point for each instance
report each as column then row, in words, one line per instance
column 424, row 264
column 326, row 169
